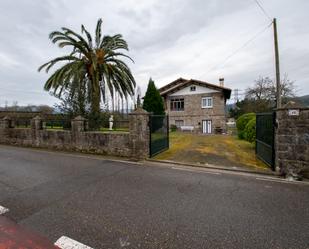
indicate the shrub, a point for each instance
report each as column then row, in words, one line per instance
column 241, row 123
column 250, row 130
column 173, row 127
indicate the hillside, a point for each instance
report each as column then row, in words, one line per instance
column 303, row 100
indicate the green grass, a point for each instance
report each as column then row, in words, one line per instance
column 115, row 130
column 223, row 150
column 54, row 128
column 23, row 127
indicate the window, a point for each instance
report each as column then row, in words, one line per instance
column 177, row 104
column 192, row 88
column 207, row 102
column 179, row 123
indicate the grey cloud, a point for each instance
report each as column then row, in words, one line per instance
column 167, row 39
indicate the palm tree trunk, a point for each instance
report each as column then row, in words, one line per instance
column 94, row 119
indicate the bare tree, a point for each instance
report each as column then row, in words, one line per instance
column 262, row 89
column 265, row 89
column 287, row 88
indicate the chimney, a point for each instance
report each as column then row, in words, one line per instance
column 221, row 82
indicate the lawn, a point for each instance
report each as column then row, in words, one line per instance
column 114, row 130
column 220, row 150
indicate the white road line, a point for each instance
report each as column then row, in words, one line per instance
column 3, row 210
column 67, row 243
column 199, row 171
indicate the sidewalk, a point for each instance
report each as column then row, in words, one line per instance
column 212, row 166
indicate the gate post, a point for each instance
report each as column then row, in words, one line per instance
column 139, row 133
column 5, row 125
column 78, row 125
column 36, row 127
column 292, row 141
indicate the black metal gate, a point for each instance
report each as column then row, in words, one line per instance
column 265, row 136
column 159, row 134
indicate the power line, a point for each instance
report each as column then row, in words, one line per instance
column 263, row 10
column 240, row 48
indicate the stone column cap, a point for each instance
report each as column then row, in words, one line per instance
column 139, row 111
column 37, row 117
column 6, row 118
column 79, row 118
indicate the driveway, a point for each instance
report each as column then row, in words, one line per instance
column 110, row 204
column 218, row 150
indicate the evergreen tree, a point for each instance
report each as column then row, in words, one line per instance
column 153, row 101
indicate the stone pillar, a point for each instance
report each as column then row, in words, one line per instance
column 36, row 127
column 292, row 141
column 78, row 124
column 139, row 133
column 37, row 123
column 78, row 127
column 5, row 125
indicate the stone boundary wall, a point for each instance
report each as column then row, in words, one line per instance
column 134, row 144
column 292, row 142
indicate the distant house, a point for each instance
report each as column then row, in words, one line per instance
column 194, row 104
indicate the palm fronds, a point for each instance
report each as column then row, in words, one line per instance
column 95, row 64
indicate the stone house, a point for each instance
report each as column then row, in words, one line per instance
column 194, row 104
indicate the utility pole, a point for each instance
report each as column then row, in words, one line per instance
column 278, row 87
column 236, row 91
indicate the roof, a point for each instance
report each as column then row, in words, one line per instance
column 181, row 83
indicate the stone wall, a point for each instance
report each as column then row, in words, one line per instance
column 194, row 114
column 134, row 143
column 292, row 141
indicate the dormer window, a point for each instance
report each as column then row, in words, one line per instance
column 192, row 88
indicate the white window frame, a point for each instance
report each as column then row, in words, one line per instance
column 206, row 100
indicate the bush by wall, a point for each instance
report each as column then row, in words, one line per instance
column 241, row 124
column 173, row 128
column 250, row 130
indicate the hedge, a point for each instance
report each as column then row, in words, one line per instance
column 250, row 130
column 241, row 124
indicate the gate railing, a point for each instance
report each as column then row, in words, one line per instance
column 159, row 134
column 265, row 138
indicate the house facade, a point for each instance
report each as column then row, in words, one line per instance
column 196, row 105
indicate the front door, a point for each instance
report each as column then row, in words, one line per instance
column 207, row 126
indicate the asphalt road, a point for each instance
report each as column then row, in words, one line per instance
column 108, row 204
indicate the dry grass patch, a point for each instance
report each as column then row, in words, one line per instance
column 221, row 150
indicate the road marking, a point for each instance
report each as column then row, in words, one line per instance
column 3, row 210
column 200, row 171
column 67, row 243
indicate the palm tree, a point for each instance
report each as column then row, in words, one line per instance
column 95, row 64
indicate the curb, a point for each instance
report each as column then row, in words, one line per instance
column 211, row 166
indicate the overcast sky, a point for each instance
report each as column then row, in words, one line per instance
column 168, row 39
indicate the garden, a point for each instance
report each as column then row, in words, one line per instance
column 235, row 151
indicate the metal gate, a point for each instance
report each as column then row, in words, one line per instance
column 159, row 134
column 265, row 136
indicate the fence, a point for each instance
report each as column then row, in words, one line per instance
column 56, row 134
column 21, row 123
column 64, row 124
